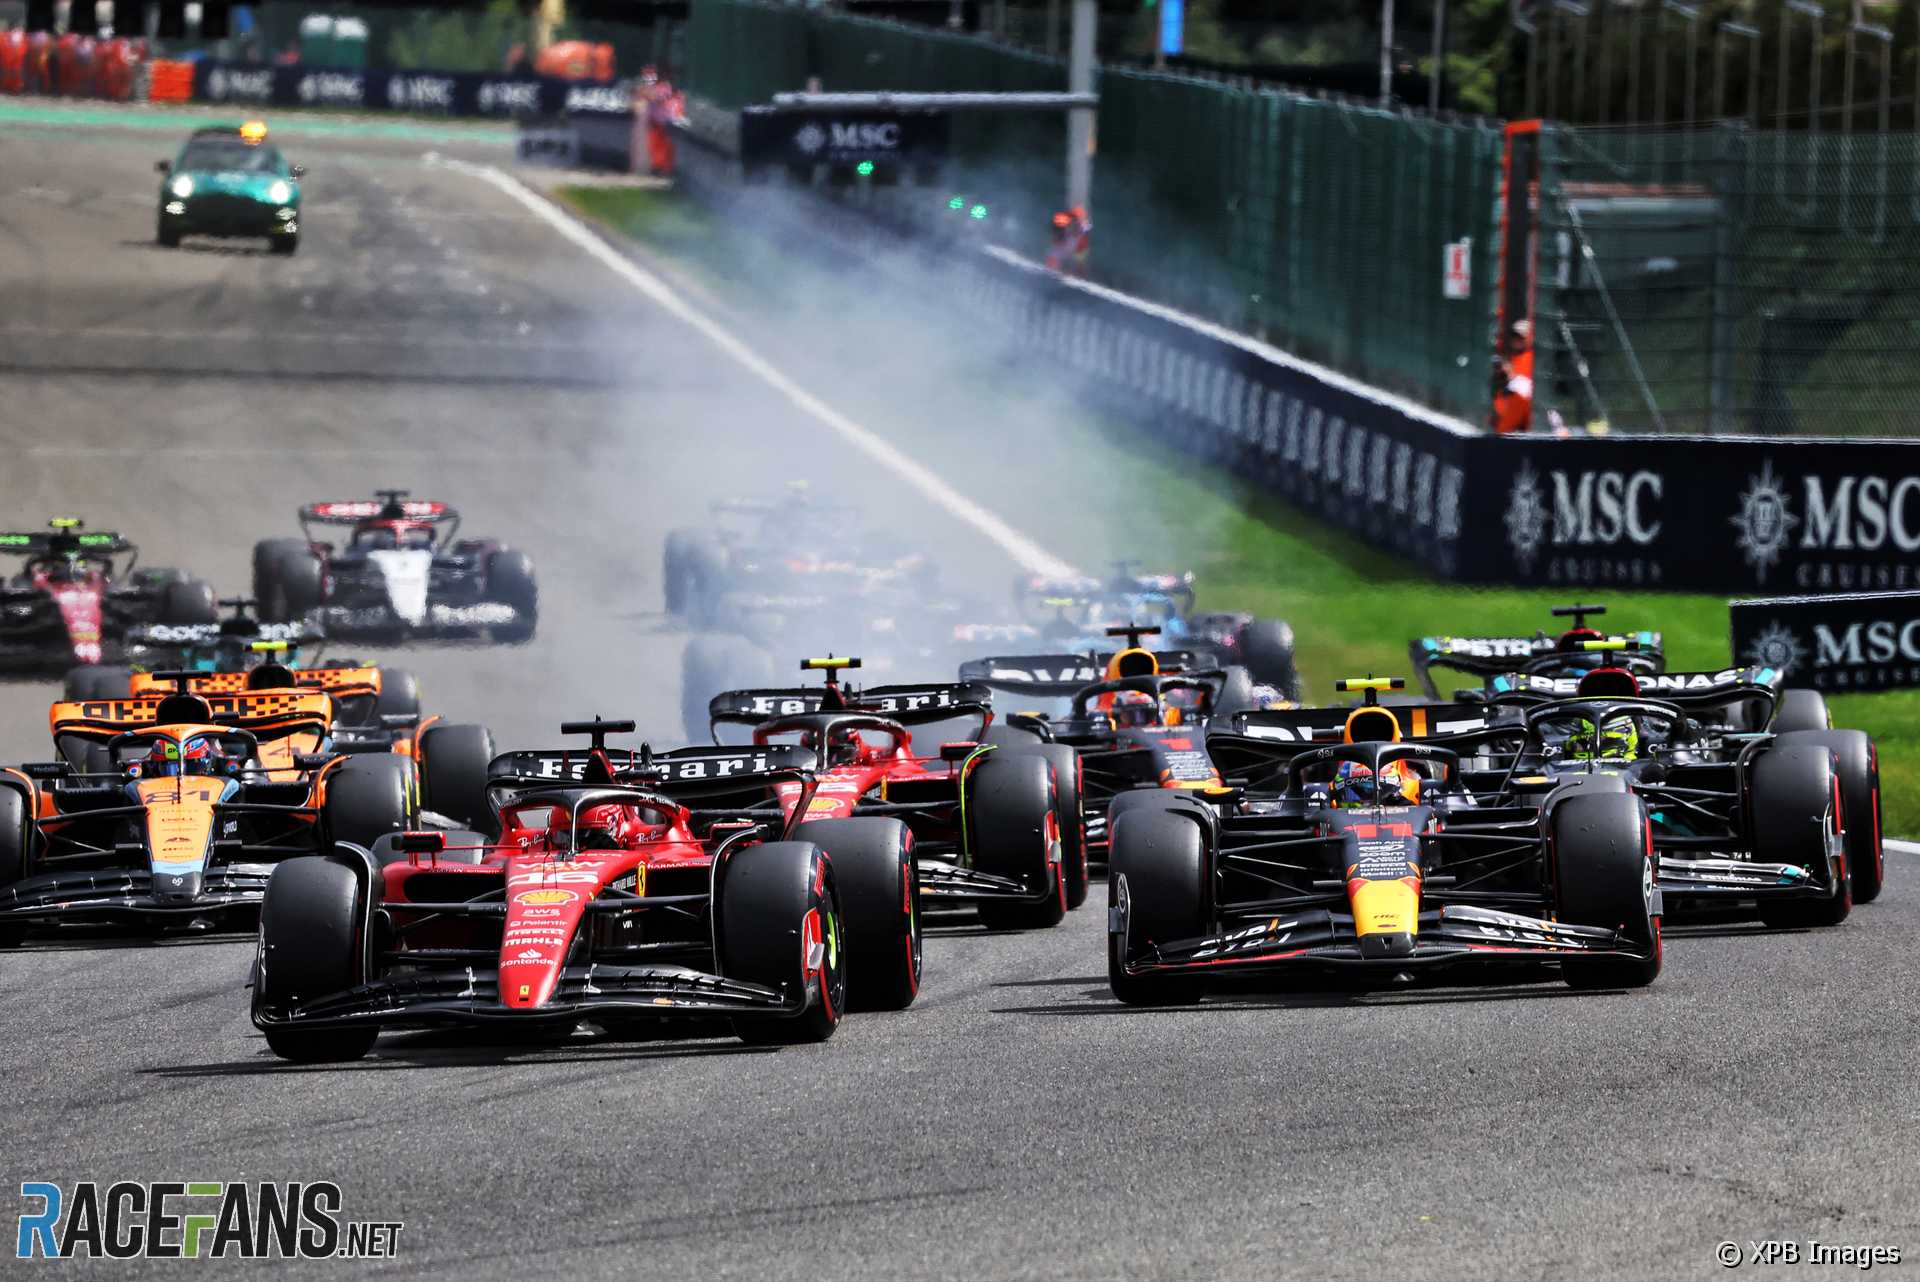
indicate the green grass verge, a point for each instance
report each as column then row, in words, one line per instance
column 1353, row 609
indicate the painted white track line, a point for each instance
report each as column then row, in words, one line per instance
column 1901, row 847
column 1029, row 555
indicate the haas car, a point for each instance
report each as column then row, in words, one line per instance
column 1372, row 854
column 1135, row 718
column 1754, row 797
column 74, row 599
column 1563, row 655
column 177, row 807
column 624, row 888
column 998, row 830
column 401, row 572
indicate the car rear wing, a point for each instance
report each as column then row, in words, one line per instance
column 910, row 705
column 1312, row 727
column 185, row 635
column 714, row 784
column 1747, row 695
column 42, row 542
column 354, row 511
column 248, row 710
column 1046, row 676
column 1486, row 657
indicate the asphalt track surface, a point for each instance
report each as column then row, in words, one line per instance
column 1016, row 1122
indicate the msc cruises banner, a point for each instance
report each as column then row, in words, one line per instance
column 446, row 93
column 1851, row 641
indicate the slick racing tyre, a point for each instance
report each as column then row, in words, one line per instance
column 97, row 681
column 710, row 664
column 1070, row 814
column 1797, row 808
column 399, row 694
column 779, row 925
column 1157, row 880
column 1857, row 762
column 189, row 601
column 310, row 945
column 1266, row 647
column 15, row 835
column 1800, row 710
column 1602, row 846
column 368, row 797
column 510, row 582
column 453, row 773
column 1014, row 832
column 288, row 579
column 879, row 887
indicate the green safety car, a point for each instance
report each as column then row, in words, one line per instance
column 230, row 181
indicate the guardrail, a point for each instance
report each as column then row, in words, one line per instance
column 1699, row 513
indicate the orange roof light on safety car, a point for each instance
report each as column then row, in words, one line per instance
column 253, row 132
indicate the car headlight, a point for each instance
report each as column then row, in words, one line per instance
column 280, row 193
column 181, row 186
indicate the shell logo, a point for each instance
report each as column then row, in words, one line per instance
column 544, row 897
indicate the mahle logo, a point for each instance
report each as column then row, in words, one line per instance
column 192, row 1220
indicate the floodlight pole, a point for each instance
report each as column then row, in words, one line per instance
column 1086, row 16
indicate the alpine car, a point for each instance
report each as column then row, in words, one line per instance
column 74, row 599
column 999, row 831
column 626, row 888
column 401, row 573
column 1540, row 654
column 228, row 180
column 1373, row 857
column 176, row 808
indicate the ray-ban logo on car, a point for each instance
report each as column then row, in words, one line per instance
column 197, row 1220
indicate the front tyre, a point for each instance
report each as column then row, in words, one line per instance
column 310, row 946
column 16, row 834
column 370, row 796
column 1157, row 879
column 1014, row 833
column 779, row 926
column 286, row 246
column 1602, row 845
column 1857, row 761
column 453, row 772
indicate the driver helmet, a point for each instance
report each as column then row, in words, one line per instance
column 603, row 827
column 1354, row 785
column 1132, row 708
column 167, row 759
column 1617, row 739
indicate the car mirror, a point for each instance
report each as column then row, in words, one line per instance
column 162, row 167
column 298, row 171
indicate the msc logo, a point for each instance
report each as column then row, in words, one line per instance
column 1586, row 509
column 865, row 137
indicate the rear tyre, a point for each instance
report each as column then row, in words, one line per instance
column 777, row 910
column 713, row 663
column 1157, row 873
column 1857, row 761
column 510, row 582
column 97, row 681
column 1800, row 710
column 310, row 946
column 189, row 601
column 14, row 839
column 453, row 773
column 370, row 796
column 1797, row 810
column 1015, row 833
column 1266, row 647
column 878, row 883
column 288, row 579
column 1603, row 869
column 399, row 694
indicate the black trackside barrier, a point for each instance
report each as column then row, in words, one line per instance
column 1848, row 641
column 1707, row 514
column 445, row 93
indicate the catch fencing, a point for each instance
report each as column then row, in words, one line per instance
column 1728, row 280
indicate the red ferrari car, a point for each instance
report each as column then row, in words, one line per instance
column 999, row 830
column 624, row 887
